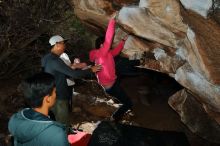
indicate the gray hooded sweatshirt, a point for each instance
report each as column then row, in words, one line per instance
column 31, row 128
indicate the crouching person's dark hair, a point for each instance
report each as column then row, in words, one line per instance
column 36, row 87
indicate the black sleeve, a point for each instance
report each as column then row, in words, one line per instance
column 61, row 67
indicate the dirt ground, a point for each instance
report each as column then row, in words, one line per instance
column 149, row 92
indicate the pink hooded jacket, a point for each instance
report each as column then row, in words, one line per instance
column 105, row 57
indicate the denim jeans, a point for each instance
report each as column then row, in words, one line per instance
column 61, row 111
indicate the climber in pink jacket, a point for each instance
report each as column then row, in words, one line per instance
column 104, row 56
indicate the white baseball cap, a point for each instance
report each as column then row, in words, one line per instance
column 56, row 39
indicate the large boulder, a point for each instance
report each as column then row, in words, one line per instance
column 178, row 37
column 201, row 7
column 193, row 115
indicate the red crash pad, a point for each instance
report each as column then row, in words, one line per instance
column 79, row 138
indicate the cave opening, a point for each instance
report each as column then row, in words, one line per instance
column 150, row 91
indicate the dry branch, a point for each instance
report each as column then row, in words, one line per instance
column 22, row 23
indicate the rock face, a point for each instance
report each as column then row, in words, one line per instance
column 93, row 101
column 187, row 106
column 200, row 6
column 179, row 38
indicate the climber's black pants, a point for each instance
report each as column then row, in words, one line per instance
column 117, row 92
column 126, row 67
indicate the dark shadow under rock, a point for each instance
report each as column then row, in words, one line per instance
column 112, row 134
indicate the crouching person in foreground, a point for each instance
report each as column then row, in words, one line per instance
column 33, row 126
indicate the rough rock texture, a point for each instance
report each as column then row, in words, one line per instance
column 96, row 13
column 175, row 37
column 93, row 101
column 94, row 105
column 199, row 6
column 215, row 12
column 187, row 106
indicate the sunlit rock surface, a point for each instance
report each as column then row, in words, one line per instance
column 147, row 27
column 199, row 6
column 167, row 11
column 179, row 38
column 96, row 13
